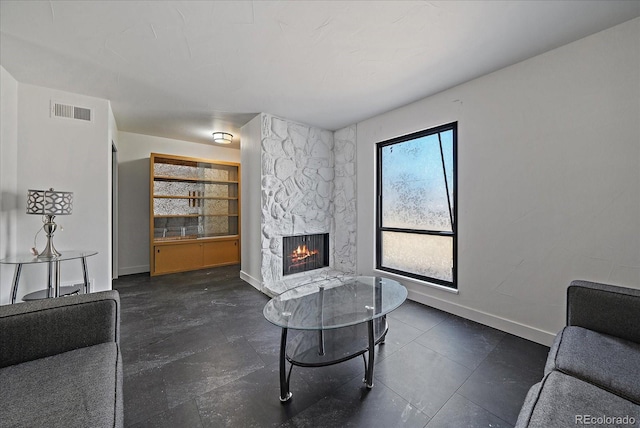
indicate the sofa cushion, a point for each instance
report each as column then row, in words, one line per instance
column 606, row 361
column 78, row 388
column 562, row 401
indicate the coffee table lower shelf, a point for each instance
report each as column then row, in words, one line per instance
column 319, row 348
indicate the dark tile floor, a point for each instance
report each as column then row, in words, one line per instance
column 198, row 353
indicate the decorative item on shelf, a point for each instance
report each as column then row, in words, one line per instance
column 49, row 204
column 195, row 198
column 222, row 138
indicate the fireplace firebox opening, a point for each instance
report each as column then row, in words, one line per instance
column 304, row 252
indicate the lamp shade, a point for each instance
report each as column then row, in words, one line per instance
column 49, row 202
column 222, row 137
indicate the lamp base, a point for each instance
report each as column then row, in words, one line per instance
column 50, row 250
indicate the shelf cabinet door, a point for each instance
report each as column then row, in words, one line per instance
column 221, row 253
column 177, row 258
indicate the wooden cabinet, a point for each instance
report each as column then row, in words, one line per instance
column 177, row 257
column 220, row 252
column 194, row 213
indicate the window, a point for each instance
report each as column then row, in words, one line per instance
column 416, row 205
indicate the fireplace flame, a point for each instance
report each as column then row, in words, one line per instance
column 302, row 252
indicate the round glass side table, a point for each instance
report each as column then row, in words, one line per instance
column 53, row 289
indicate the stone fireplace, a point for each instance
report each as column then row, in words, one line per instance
column 307, row 181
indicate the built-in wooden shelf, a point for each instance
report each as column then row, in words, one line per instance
column 181, row 239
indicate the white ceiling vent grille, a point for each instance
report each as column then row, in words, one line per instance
column 71, row 112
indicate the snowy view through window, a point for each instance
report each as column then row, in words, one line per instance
column 416, row 216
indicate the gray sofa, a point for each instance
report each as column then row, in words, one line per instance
column 60, row 362
column 592, row 374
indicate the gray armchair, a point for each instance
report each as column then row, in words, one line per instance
column 60, row 362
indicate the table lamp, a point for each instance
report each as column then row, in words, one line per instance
column 49, row 203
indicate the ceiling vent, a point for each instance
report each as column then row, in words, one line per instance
column 71, row 112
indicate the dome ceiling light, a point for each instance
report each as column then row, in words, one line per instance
column 222, row 138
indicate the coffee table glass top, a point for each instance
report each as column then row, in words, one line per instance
column 335, row 303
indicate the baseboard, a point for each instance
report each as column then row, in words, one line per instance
column 503, row 324
column 256, row 283
column 133, row 270
column 527, row 332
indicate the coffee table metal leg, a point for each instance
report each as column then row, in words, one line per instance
column 385, row 328
column 320, row 342
column 372, row 351
column 285, row 394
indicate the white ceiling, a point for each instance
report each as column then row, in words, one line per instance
column 182, row 69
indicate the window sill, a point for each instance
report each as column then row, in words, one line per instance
column 414, row 281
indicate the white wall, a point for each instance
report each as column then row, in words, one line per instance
column 69, row 155
column 133, row 193
column 8, row 178
column 250, row 158
column 549, row 181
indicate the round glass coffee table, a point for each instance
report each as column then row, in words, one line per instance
column 338, row 319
